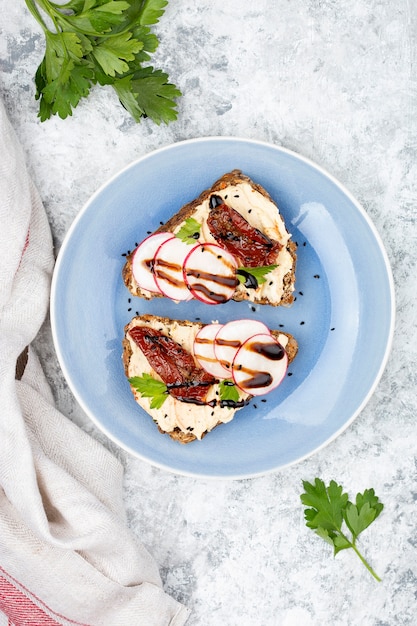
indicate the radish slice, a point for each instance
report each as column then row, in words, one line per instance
column 210, row 272
column 259, row 365
column 231, row 336
column 204, row 351
column 143, row 260
column 168, row 264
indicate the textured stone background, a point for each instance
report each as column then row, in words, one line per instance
column 334, row 81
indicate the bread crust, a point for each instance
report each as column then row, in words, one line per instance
column 177, row 434
column 231, row 178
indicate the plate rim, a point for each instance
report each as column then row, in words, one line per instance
column 255, row 142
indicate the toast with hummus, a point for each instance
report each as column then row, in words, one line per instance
column 175, row 379
column 249, row 254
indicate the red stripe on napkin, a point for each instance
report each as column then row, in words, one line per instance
column 25, row 247
column 23, row 608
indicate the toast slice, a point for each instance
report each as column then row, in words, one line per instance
column 183, row 421
column 257, row 208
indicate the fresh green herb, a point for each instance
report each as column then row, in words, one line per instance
column 258, row 272
column 103, row 42
column 190, row 231
column 330, row 508
column 228, row 391
column 149, row 387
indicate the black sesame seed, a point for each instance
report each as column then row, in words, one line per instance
column 197, row 319
column 271, row 282
column 225, row 197
column 263, row 399
column 249, row 210
column 236, row 195
column 281, row 325
column 301, row 293
column 305, row 243
column 124, row 254
column 332, row 328
column 316, row 275
column 137, row 312
column 289, row 374
column 149, row 232
column 255, row 406
column 253, row 308
column 301, row 323
column 162, row 223
column 129, row 299
column 130, row 308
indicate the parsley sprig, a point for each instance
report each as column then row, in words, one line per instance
column 189, row 231
column 150, row 387
column 228, row 391
column 330, row 510
column 258, row 273
column 105, row 42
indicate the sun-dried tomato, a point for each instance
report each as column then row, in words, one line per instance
column 177, row 368
column 233, row 232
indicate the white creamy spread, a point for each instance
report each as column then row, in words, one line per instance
column 190, row 418
column 263, row 214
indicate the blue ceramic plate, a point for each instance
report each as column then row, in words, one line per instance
column 343, row 315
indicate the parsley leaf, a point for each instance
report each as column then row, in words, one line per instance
column 97, row 19
column 189, row 231
column 360, row 516
column 105, row 42
column 155, row 95
column 329, row 510
column 258, row 273
column 150, row 387
column 228, row 391
column 152, row 10
column 149, row 43
column 113, row 53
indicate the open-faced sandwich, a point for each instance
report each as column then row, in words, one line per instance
column 191, row 377
column 229, row 243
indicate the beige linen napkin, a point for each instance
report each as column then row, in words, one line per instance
column 66, row 553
